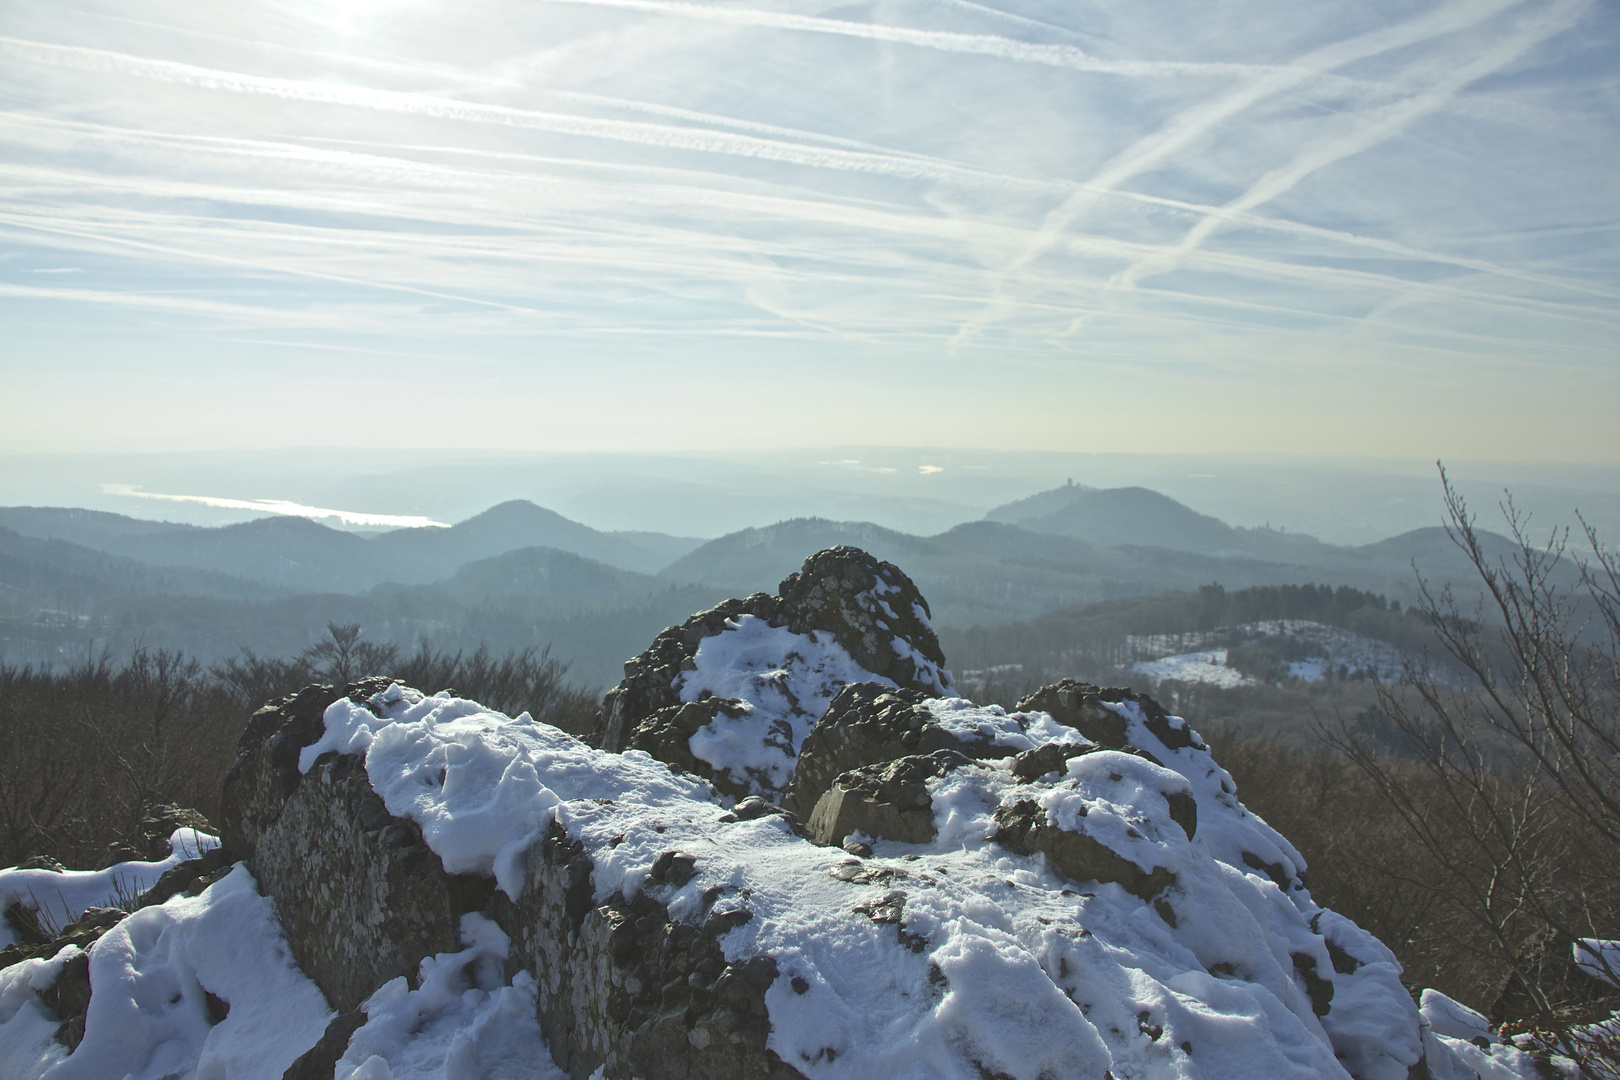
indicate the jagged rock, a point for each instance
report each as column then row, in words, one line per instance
column 360, row 896
column 868, row 606
column 868, row 723
column 888, row 800
column 626, row 988
column 842, row 599
column 1079, row 705
column 1023, row 828
column 1082, row 706
column 158, row 824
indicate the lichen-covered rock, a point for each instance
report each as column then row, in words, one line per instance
column 731, row 693
column 888, row 800
column 626, row 988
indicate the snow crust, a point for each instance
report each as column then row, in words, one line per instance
column 59, row 897
column 782, row 682
column 151, row 975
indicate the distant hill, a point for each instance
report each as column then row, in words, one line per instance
column 272, row 584
column 301, row 554
column 1116, row 517
column 756, row 560
column 539, row 573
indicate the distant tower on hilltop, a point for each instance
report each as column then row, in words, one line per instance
column 1071, row 482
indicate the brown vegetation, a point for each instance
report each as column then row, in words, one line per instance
column 90, row 750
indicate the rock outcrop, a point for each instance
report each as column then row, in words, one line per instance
column 695, row 700
column 1067, row 890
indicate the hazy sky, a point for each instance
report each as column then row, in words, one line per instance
column 1365, row 228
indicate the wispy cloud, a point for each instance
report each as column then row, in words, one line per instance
column 740, row 195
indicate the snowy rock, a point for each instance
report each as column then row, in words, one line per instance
column 731, row 693
column 888, row 800
column 360, row 896
column 870, row 723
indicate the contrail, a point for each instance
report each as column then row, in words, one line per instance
column 631, row 131
column 1384, row 124
column 1194, row 123
column 994, row 45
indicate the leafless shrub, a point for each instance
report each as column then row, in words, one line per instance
column 1515, row 803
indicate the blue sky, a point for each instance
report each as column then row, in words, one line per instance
column 1384, row 230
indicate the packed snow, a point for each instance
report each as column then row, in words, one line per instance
column 462, row 1022
column 152, row 976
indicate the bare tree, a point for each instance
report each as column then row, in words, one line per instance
column 1517, row 800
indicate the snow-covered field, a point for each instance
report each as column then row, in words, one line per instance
column 1333, row 652
column 1208, row 666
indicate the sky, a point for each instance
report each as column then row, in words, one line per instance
column 1380, row 230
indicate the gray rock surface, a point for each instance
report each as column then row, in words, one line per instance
column 888, row 800
column 622, row 986
column 625, row 988
column 865, row 724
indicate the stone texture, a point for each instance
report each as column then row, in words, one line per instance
column 625, row 988
column 360, row 896
column 889, row 800
column 621, row 985
column 865, row 603
column 865, row 724
column 1023, row 828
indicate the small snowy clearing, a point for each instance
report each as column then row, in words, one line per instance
column 1200, row 667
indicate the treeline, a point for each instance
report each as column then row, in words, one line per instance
column 90, row 750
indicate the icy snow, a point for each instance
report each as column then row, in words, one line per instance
column 59, row 897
